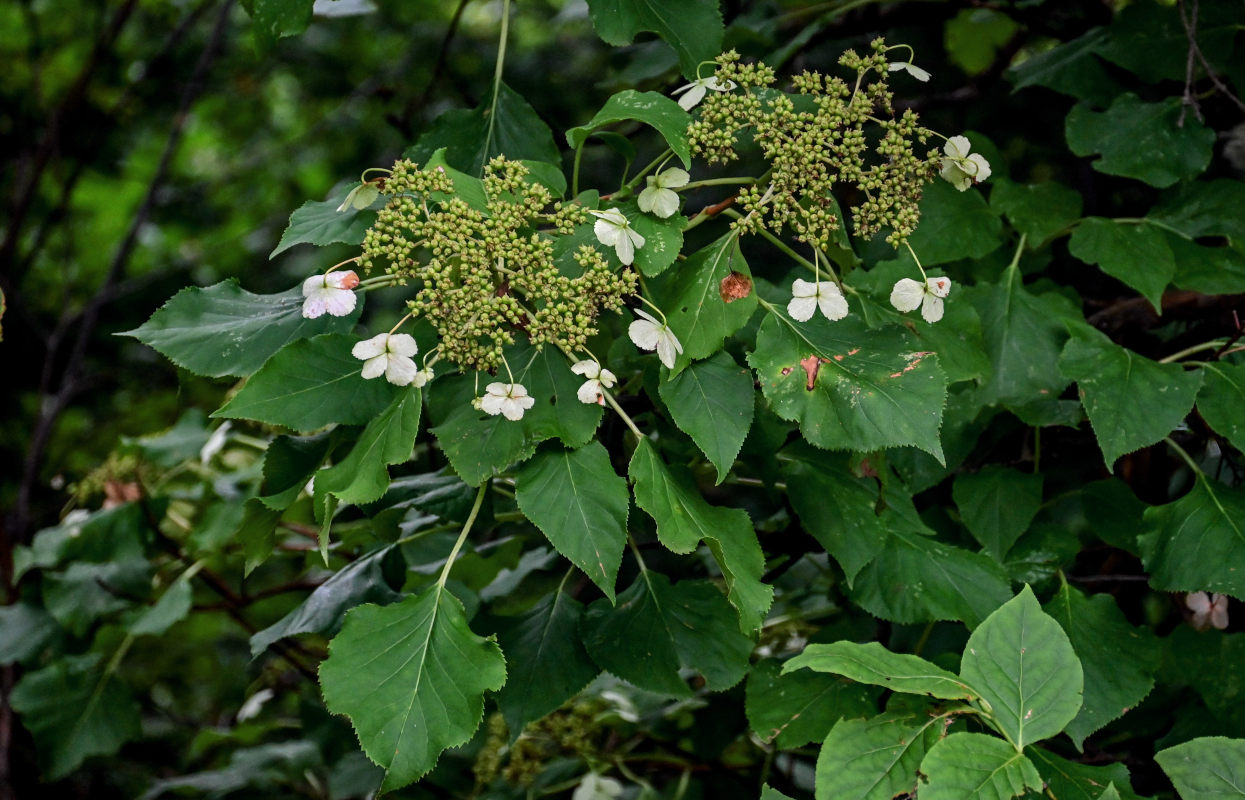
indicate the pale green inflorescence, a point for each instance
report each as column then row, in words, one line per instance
column 488, row 274
column 833, row 133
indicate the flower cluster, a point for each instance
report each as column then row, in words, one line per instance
column 830, row 133
column 487, row 269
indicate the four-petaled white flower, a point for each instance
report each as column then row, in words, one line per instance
column 908, row 294
column 422, row 377
column 807, row 297
column 508, row 399
column 658, row 198
column 360, row 197
column 694, row 92
column 1209, row 610
column 598, row 377
column 910, row 68
column 333, row 293
column 614, row 230
column 595, row 787
column 961, row 168
column 649, row 334
column 388, row 354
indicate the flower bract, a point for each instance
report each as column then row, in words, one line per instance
column 650, row 334
column 910, row 68
column 961, row 168
column 694, row 92
column 508, row 399
column 807, row 297
column 908, row 294
column 1209, row 610
column 333, row 293
column 388, row 354
column 613, row 229
column 659, row 198
column 598, row 378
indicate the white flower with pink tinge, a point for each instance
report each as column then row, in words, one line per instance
column 807, row 297
column 388, row 354
column 599, row 378
column 333, row 293
column 961, row 168
column 508, row 399
column 908, row 294
column 649, row 334
column 1209, row 610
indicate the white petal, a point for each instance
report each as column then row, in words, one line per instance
column 637, row 238
column 931, row 308
column 801, row 308
column 940, row 286
column 673, row 178
column 492, row 404
column 624, row 247
column 1198, row 602
column 402, row 344
column 833, row 304
column 648, row 196
column 375, row 367
column 608, row 233
column 370, row 348
column 607, row 378
column 803, row 288
column 519, row 392
column 983, row 167
column 665, row 203
column 1219, row 611
column 639, row 312
column 498, row 389
column 644, row 333
column 588, row 368
column 311, row 284
column 952, row 174
column 695, row 92
column 345, row 279
column 401, row 371
column 895, row 66
column 957, row 147
column 314, row 307
column 589, row 392
column 907, row 294
column 917, row 72
column 668, row 348
column 422, row 377
column 340, row 302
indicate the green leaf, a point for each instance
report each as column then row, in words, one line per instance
column 25, row 629
column 874, row 664
column 793, row 709
column 517, row 132
column 915, row 578
column 1151, row 41
column 975, row 766
column 548, row 661
column 1071, row 780
column 657, row 629
column 1132, row 402
column 850, row 388
column 411, row 677
column 1038, row 210
column 225, row 330
column 768, row 793
column 974, row 37
column 74, row 710
column 692, row 27
column 1141, row 140
column 1070, row 68
column 1209, row 768
column 580, row 504
column 855, row 532
column 712, row 401
column 1221, row 399
column 309, row 384
column 274, row 19
column 1119, row 661
column 171, row 608
column 955, row 225
column 997, row 505
column 1138, row 255
column 361, row 581
column 320, row 223
column 363, row 475
column 1209, row 270
column 663, row 239
column 289, row 462
column 257, row 532
column 84, row 592
column 1204, row 208
column 651, row 108
column 1198, row 542
column 1023, row 337
column 691, row 297
column 684, row 518
column 874, row 759
column 480, row 446
column 1021, row 663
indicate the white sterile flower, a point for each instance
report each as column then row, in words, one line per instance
column 961, row 168
column 422, row 377
column 614, row 230
column 333, row 293
column 595, row 787
column 658, row 198
column 1209, row 610
column 807, row 297
column 910, row 68
column 649, row 334
column 508, row 399
column 388, row 354
column 597, row 376
column 908, row 294
column 694, row 92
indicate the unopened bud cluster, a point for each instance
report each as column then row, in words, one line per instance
column 829, row 133
column 487, row 271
